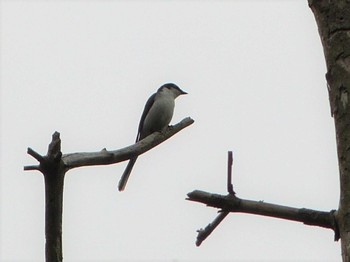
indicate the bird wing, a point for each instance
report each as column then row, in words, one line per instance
column 148, row 106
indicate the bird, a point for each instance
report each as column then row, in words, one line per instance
column 156, row 116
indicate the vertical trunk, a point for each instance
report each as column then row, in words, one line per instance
column 53, row 215
column 333, row 20
column 54, row 171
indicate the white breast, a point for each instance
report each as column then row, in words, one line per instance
column 160, row 113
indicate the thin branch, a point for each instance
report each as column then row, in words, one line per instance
column 232, row 203
column 204, row 233
column 33, row 167
column 105, row 157
column 34, row 154
column 229, row 173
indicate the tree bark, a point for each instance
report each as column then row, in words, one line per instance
column 333, row 20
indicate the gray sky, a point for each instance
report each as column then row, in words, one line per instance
column 254, row 71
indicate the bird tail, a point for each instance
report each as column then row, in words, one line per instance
column 124, row 179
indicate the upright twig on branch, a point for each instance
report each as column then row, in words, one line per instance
column 55, row 165
column 229, row 173
column 204, row 233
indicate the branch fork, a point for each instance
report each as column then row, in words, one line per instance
column 231, row 203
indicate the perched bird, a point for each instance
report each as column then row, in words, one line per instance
column 156, row 116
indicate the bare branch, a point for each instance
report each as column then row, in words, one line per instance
column 34, row 154
column 33, row 167
column 232, row 203
column 204, row 233
column 105, row 157
column 229, row 173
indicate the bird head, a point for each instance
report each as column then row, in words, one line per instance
column 172, row 88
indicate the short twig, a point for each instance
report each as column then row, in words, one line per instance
column 229, row 174
column 204, row 233
column 33, row 167
column 36, row 155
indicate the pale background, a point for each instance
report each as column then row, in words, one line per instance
column 254, row 71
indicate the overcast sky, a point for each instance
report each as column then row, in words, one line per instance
column 254, row 71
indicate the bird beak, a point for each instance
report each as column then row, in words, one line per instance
column 183, row 93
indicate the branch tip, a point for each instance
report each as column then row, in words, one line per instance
column 55, row 135
column 204, row 233
column 229, row 173
column 54, row 150
column 34, row 167
column 34, row 154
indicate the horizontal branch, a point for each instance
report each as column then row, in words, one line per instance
column 33, row 167
column 231, row 203
column 105, row 157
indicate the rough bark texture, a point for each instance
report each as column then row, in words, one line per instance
column 333, row 20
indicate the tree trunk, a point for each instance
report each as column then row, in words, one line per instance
column 333, row 20
column 54, row 181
